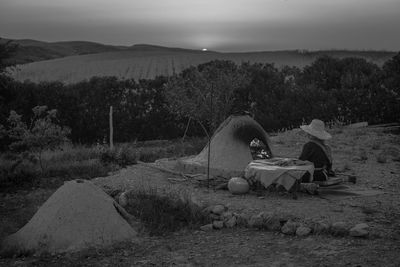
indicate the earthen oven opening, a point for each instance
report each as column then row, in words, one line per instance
column 259, row 150
column 255, row 137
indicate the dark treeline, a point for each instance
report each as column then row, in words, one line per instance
column 349, row 89
column 139, row 109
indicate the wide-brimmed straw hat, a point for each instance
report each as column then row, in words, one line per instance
column 317, row 129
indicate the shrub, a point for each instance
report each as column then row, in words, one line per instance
column 18, row 178
column 17, row 171
column 41, row 134
column 122, row 156
column 163, row 212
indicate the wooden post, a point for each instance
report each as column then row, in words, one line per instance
column 111, row 129
column 209, row 137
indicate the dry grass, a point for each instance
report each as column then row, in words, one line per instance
column 163, row 211
column 83, row 162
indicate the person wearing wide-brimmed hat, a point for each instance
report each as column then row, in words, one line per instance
column 316, row 151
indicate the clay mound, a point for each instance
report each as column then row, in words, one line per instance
column 230, row 151
column 77, row 216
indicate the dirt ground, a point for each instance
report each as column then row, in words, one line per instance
column 234, row 247
column 373, row 155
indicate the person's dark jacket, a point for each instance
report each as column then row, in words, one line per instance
column 319, row 154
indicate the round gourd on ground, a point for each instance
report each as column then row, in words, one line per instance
column 238, row 185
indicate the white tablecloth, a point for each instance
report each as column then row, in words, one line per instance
column 280, row 171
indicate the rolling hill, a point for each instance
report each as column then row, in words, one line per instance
column 71, row 62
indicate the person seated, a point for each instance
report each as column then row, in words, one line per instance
column 317, row 152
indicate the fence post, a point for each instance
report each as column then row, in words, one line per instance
column 111, row 129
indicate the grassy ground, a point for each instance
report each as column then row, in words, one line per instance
column 26, row 188
column 18, row 171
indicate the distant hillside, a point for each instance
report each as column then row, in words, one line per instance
column 86, row 59
column 32, row 50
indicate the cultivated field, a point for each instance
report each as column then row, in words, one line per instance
column 147, row 62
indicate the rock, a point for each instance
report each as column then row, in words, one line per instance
column 227, row 215
column 285, row 217
column 231, row 222
column 207, row 227
column 218, row 209
column 270, row 221
column 303, row 231
column 123, row 199
column 320, row 227
column 256, row 221
column 339, row 228
column 289, row 228
column 360, row 230
column 218, row 224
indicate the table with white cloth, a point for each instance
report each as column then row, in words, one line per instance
column 279, row 171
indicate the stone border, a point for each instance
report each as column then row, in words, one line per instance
column 284, row 223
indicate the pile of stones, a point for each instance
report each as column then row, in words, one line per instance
column 221, row 217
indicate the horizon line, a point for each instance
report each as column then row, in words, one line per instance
column 304, row 50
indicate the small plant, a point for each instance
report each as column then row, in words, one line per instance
column 163, row 212
column 123, row 156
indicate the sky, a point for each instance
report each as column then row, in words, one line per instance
column 221, row 25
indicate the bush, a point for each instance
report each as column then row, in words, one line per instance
column 16, row 171
column 123, row 156
column 164, row 212
column 18, row 178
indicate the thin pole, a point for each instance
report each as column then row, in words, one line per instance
column 209, row 138
column 187, row 128
column 111, row 129
column 208, row 162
